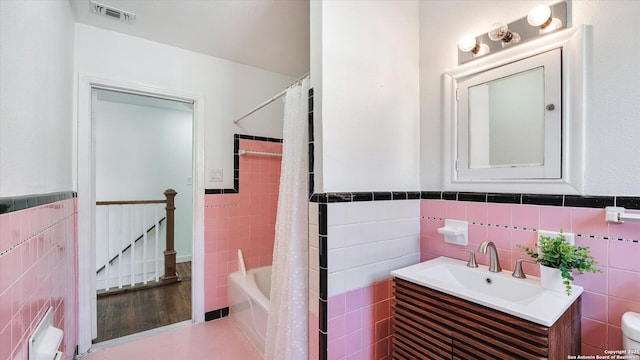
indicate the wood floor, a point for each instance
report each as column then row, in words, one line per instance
column 135, row 311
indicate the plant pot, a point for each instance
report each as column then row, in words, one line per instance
column 551, row 279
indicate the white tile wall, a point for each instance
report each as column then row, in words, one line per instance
column 367, row 240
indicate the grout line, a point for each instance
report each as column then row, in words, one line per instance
column 35, row 235
column 602, row 237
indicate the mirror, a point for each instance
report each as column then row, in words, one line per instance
column 506, row 121
column 509, row 120
column 514, row 120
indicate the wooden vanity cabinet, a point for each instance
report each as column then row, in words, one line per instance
column 428, row 324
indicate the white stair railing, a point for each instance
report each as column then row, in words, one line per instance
column 128, row 246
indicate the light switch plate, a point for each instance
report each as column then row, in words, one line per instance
column 571, row 237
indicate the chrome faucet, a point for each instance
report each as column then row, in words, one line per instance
column 518, row 272
column 494, row 262
column 472, row 258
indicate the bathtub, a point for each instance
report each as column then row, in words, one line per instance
column 249, row 302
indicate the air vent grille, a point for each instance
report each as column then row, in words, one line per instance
column 112, row 12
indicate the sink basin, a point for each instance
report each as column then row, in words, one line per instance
column 482, row 281
column 524, row 298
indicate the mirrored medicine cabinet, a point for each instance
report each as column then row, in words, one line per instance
column 514, row 120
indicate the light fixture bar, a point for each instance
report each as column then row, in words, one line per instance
column 558, row 18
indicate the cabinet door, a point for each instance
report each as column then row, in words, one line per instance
column 429, row 324
column 415, row 337
column 418, row 332
column 465, row 347
column 447, row 326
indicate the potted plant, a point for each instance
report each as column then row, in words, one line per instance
column 556, row 253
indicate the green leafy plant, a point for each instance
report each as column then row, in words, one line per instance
column 557, row 253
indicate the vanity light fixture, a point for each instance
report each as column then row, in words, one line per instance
column 468, row 43
column 500, row 32
column 540, row 16
column 538, row 22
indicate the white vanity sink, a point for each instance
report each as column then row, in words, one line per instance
column 524, row 298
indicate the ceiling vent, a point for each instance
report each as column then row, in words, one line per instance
column 111, row 12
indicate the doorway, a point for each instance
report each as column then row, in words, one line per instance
column 86, row 172
column 143, row 147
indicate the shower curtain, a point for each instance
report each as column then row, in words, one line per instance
column 287, row 326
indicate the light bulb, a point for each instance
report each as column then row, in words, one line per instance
column 483, row 49
column 541, row 16
column 500, row 31
column 468, row 43
column 555, row 24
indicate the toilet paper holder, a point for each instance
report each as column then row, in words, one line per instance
column 46, row 339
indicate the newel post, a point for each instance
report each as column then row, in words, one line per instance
column 170, row 252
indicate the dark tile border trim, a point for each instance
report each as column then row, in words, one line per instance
column 323, row 306
column 448, row 195
column 236, row 163
column 590, row 201
column 323, row 276
column 431, row 195
column 504, row 198
column 311, row 140
column 220, row 191
column 17, row 203
column 552, row 200
column 335, row 197
column 476, row 197
column 324, row 346
column 500, row 198
column 216, row 314
column 628, row 202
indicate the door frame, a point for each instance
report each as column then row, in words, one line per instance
column 84, row 178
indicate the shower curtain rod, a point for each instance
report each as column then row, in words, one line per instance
column 276, row 97
column 253, row 152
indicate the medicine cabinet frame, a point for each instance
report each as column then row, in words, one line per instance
column 575, row 46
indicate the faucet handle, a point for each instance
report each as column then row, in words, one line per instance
column 518, row 272
column 472, row 258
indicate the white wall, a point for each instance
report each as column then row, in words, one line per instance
column 140, row 152
column 315, row 80
column 613, row 126
column 368, row 94
column 36, row 64
column 225, row 90
column 230, row 90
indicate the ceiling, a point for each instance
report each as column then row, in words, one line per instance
column 268, row 34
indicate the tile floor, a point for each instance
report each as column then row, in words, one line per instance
column 219, row 339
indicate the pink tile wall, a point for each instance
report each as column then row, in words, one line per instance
column 245, row 220
column 314, row 338
column 314, row 282
column 359, row 323
column 38, row 270
column 615, row 246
